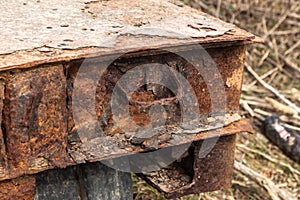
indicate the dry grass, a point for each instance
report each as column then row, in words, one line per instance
column 277, row 62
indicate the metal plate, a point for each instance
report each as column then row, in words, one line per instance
column 36, row 32
column 39, row 123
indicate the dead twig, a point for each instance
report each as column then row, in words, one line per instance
column 218, row 8
column 247, row 107
column 292, row 48
column 289, row 63
column 259, row 104
column 288, row 32
column 270, row 88
column 282, row 18
column 270, row 72
column 269, row 158
column 261, row 61
column 262, row 112
column 295, row 128
column 280, row 107
column 274, row 192
column 292, row 120
column 253, row 98
column 258, row 116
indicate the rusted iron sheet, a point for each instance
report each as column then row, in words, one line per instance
column 228, row 60
column 89, row 151
column 19, row 188
column 40, row 63
column 34, row 120
column 64, row 24
column 193, row 174
column 52, row 31
column 39, row 120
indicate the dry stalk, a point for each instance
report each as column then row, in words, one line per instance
column 290, row 63
column 259, row 104
column 258, row 116
column 292, row 120
column 270, row 72
column 262, row 112
column 281, row 107
column 247, row 107
column 274, row 192
column 265, row 56
column 270, row 88
column 292, row 48
column 282, row 18
column 295, row 128
column 269, row 158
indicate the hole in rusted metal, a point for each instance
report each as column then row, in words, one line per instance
column 68, row 40
column 177, row 175
column 62, row 44
column 207, row 29
column 117, row 26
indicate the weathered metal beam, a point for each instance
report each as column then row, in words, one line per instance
column 38, row 114
column 58, row 76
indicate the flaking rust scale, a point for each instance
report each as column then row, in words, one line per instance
column 45, row 93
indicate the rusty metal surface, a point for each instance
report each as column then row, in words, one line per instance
column 38, row 120
column 193, row 174
column 40, row 59
column 89, row 151
column 19, row 188
column 229, row 62
column 34, row 120
column 51, row 31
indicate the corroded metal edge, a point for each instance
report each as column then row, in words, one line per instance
column 35, row 57
column 197, row 28
column 214, row 171
column 234, row 128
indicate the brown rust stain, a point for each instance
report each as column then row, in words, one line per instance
column 19, row 188
column 192, row 174
column 229, row 63
column 38, row 109
column 89, row 151
column 35, row 119
column 38, row 129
